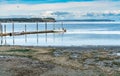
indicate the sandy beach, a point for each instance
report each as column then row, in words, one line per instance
column 60, row 61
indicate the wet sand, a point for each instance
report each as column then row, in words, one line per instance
column 60, row 61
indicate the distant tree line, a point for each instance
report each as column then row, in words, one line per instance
column 27, row 20
column 88, row 20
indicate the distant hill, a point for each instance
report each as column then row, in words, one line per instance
column 88, row 20
column 27, row 20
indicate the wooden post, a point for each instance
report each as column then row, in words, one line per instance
column 25, row 34
column 62, row 29
column 46, row 30
column 54, row 33
column 53, row 25
column 1, row 31
column 37, row 31
column 5, row 33
column 13, row 33
column 62, row 25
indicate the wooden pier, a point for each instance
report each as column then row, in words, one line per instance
column 32, row 32
column 25, row 32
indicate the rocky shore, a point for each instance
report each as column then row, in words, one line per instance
column 22, row 66
column 106, row 59
column 60, row 61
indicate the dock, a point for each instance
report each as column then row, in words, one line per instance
column 32, row 32
column 4, row 34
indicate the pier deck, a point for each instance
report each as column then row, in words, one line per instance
column 32, row 32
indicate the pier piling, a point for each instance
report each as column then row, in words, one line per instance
column 1, row 32
column 37, row 33
column 25, row 34
column 46, row 30
column 5, row 33
column 13, row 33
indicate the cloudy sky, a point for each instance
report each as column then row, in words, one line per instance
column 61, row 9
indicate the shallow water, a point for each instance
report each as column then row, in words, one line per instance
column 78, row 33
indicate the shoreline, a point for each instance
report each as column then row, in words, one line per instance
column 82, row 46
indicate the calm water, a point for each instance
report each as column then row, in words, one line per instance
column 78, row 33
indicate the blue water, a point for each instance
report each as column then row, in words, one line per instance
column 78, row 33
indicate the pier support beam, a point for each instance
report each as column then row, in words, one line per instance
column 37, row 33
column 1, row 32
column 5, row 33
column 46, row 30
column 13, row 33
column 25, row 34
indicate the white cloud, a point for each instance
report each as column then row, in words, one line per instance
column 103, row 13
column 68, row 10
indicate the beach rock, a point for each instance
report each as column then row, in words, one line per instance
column 100, row 63
column 57, row 53
column 74, row 56
column 89, row 61
column 116, row 54
column 108, row 70
column 116, row 62
column 108, row 64
column 118, row 70
column 88, row 55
